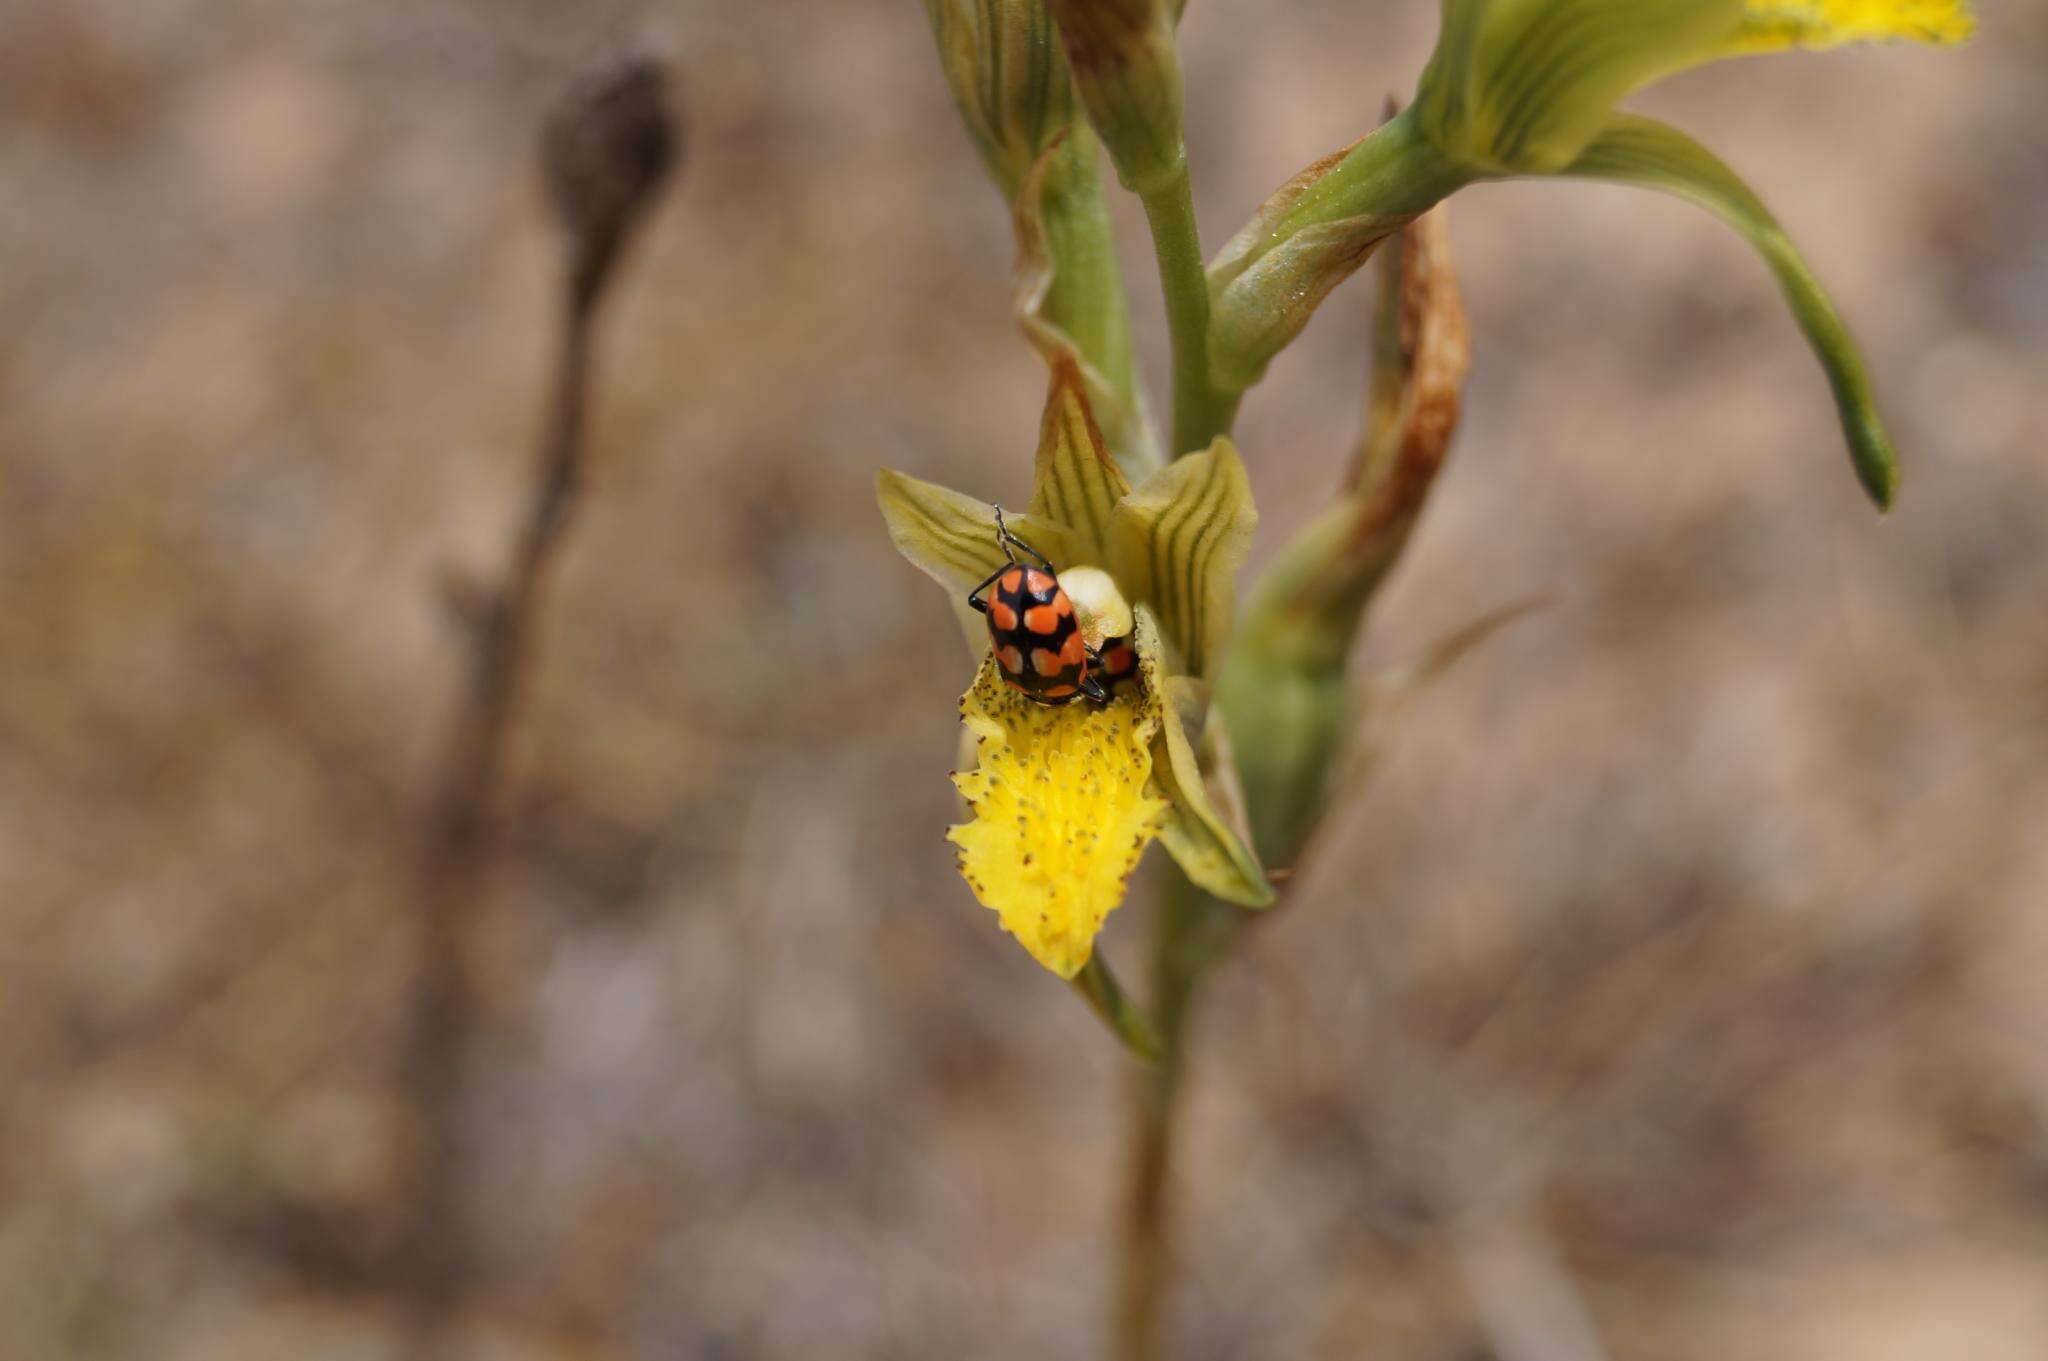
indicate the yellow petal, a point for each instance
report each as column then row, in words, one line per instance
column 950, row 536
column 1062, row 809
column 1773, row 25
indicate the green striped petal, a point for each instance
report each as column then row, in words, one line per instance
column 1076, row 483
column 1178, row 542
column 1520, row 86
column 951, row 537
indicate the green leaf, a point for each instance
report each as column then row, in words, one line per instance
column 951, row 537
column 1210, row 850
column 1636, row 150
column 1076, row 483
column 1178, row 543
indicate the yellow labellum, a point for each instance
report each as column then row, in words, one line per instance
column 1772, row 25
column 1062, row 810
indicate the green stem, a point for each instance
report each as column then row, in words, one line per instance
column 1194, row 931
column 1200, row 413
column 1193, row 928
column 1125, row 1018
column 1087, row 296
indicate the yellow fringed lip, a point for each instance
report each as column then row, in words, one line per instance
column 1062, row 808
column 1773, row 25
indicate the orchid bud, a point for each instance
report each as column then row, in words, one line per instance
column 1127, row 70
column 607, row 149
column 1003, row 62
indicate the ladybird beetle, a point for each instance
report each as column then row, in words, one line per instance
column 1115, row 662
column 1031, row 626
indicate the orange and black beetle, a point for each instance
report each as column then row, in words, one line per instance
column 1037, row 639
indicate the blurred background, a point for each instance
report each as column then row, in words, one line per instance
column 1672, row 989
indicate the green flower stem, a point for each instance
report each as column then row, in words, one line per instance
column 1126, row 1019
column 1087, row 298
column 1200, row 413
column 1194, row 931
column 1193, row 928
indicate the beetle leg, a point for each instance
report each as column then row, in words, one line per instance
column 974, row 596
column 1093, row 689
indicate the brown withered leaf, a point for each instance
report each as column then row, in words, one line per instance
column 1422, row 352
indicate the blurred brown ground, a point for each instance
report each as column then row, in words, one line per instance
column 1679, row 975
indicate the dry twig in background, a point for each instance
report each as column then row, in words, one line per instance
column 606, row 150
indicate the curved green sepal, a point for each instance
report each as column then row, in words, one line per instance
column 1178, row 542
column 1637, row 150
column 1076, row 482
column 1214, row 854
column 951, row 537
